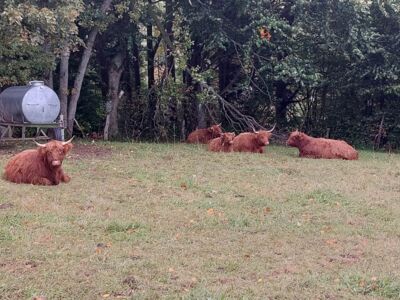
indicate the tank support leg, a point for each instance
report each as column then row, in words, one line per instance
column 9, row 131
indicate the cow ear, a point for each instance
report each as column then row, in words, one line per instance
column 67, row 148
column 42, row 150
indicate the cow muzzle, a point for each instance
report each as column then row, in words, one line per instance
column 56, row 163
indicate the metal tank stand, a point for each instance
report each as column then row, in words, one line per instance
column 7, row 131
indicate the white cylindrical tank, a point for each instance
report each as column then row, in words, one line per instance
column 34, row 103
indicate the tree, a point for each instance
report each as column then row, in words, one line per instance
column 87, row 52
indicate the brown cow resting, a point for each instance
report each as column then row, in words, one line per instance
column 251, row 141
column 41, row 166
column 321, row 148
column 223, row 143
column 203, row 136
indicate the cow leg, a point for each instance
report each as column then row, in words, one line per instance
column 41, row 181
column 64, row 177
column 261, row 150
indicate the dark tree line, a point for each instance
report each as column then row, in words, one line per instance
column 159, row 69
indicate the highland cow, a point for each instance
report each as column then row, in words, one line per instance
column 252, row 141
column 41, row 166
column 203, row 136
column 321, row 148
column 223, row 143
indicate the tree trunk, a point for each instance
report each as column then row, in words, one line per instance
column 169, row 16
column 192, row 113
column 63, row 92
column 76, row 91
column 48, row 76
column 201, row 116
column 49, row 79
column 282, row 103
column 150, row 76
column 136, row 67
column 114, row 78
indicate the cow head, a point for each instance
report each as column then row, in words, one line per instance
column 295, row 138
column 215, row 130
column 227, row 138
column 263, row 137
column 54, row 152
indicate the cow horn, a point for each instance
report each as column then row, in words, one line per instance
column 39, row 145
column 69, row 141
column 272, row 128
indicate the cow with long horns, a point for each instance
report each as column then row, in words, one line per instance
column 41, row 166
column 252, row 141
column 321, row 148
column 204, row 135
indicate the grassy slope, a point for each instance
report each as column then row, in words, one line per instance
column 159, row 220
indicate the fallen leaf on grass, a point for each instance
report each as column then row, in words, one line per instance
column 214, row 212
column 210, row 211
column 101, row 246
column 266, row 210
column 326, row 229
column 331, row 242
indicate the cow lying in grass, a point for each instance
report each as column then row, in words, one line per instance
column 203, row 136
column 321, row 148
column 222, row 143
column 252, row 141
column 41, row 166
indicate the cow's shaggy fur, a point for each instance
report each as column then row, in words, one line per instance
column 41, row 166
column 251, row 141
column 203, row 136
column 321, row 148
column 223, row 143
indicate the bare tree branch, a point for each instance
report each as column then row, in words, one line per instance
column 238, row 120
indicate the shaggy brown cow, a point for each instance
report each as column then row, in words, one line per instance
column 203, row 136
column 41, row 166
column 321, row 148
column 223, row 143
column 252, row 141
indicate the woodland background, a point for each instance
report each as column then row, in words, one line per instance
column 155, row 70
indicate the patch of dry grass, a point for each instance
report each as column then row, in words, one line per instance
column 148, row 221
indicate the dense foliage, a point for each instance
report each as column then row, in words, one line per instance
column 158, row 69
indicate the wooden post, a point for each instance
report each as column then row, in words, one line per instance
column 62, row 127
column 9, row 131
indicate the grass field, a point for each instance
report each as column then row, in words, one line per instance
column 149, row 221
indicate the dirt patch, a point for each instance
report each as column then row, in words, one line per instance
column 85, row 151
column 12, row 148
column 18, row 267
column 6, row 205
